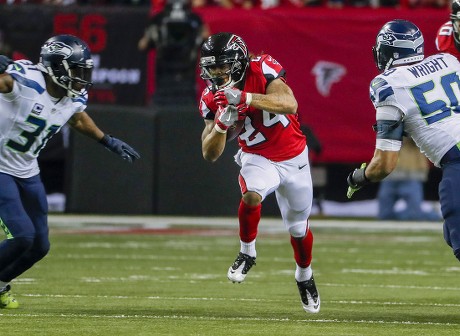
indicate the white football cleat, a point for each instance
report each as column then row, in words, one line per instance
column 240, row 268
column 309, row 296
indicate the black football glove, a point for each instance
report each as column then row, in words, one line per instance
column 356, row 180
column 119, row 147
column 4, row 62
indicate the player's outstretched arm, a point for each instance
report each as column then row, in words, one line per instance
column 119, row 147
column 381, row 165
column 84, row 124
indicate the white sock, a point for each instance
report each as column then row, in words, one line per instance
column 249, row 248
column 303, row 274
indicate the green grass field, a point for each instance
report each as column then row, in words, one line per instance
column 165, row 283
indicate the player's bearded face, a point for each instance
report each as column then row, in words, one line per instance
column 220, row 74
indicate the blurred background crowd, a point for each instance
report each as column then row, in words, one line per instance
column 157, row 5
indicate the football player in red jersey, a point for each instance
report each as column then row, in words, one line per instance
column 273, row 154
column 448, row 38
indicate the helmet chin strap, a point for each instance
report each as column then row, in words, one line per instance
column 71, row 93
column 389, row 64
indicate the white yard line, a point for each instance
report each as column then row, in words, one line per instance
column 219, row 318
column 266, row 225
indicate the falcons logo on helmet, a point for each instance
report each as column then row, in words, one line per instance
column 327, row 73
column 236, row 43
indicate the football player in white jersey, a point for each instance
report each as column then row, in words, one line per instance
column 36, row 100
column 419, row 97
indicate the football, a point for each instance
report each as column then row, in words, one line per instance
column 234, row 130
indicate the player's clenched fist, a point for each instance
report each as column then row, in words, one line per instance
column 232, row 96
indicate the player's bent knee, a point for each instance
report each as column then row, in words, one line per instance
column 252, row 198
column 41, row 249
column 298, row 230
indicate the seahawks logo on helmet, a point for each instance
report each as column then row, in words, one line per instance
column 58, row 48
column 387, row 38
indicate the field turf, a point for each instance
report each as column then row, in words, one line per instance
column 173, row 282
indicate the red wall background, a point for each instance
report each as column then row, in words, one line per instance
column 340, row 41
column 326, row 52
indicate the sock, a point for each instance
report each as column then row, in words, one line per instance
column 303, row 274
column 302, row 249
column 248, row 248
column 249, row 217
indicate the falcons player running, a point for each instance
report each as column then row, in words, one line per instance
column 273, row 155
column 36, row 100
column 448, row 38
column 418, row 97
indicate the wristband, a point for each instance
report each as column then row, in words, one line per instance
column 248, row 98
column 105, row 140
column 220, row 130
column 359, row 177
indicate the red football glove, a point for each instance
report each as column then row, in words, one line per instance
column 242, row 110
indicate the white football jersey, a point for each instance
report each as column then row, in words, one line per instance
column 29, row 117
column 428, row 95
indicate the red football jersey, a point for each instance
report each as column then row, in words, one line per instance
column 445, row 40
column 276, row 137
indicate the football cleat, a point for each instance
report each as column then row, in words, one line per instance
column 240, row 268
column 7, row 301
column 309, row 296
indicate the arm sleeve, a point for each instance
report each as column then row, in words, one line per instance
column 388, row 113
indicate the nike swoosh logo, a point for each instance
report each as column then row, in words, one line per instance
column 303, row 166
column 233, row 94
column 16, row 67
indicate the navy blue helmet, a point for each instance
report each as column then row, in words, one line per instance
column 399, row 42
column 67, row 60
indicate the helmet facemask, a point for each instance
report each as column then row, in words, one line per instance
column 76, row 80
column 223, row 74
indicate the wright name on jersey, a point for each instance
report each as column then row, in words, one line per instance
column 427, row 94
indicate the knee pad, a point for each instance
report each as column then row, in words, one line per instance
column 298, row 230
